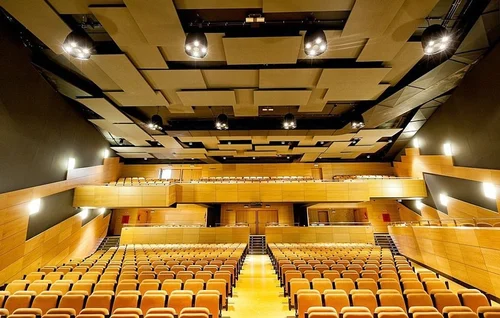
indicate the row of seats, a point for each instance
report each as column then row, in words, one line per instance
column 106, row 303
column 131, row 280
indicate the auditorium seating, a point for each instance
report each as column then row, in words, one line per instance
column 362, row 280
column 182, row 280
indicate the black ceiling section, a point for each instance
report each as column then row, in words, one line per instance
column 461, row 189
column 469, row 119
column 412, row 205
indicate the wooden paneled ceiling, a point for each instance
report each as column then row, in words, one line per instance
column 253, row 73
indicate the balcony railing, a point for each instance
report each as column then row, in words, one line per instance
column 453, row 222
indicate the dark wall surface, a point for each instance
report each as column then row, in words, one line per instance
column 469, row 119
column 39, row 129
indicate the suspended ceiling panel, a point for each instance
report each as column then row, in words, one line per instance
column 79, row 6
column 345, row 47
column 119, row 68
column 41, row 20
column 217, row 4
column 207, row 98
column 134, row 134
column 168, row 142
column 95, row 74
column 134, row 155
column 403, row 62
column 175, row 79
column 306, row 6
column 335, row 78
column 133, row 100
column 231, row 78
column 262, row 50
column 108, row 126
column 104, row 109
column 125, row 32
column 289, row 78
column 404, row 24
column 281, row 98
column 370, row 18
column 350, row 93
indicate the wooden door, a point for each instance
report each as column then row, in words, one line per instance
column 248, row 216
column 317, row 173
column 323, row 216
column 264, row 217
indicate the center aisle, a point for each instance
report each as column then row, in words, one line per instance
column 258, row 293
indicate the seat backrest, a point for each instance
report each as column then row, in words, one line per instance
column 203, row 275
column 169, row 285
column 442, row 300
column 337, row 300
column 427, row 315
column 411, row 284
column 351, row 274
column 105, row 285
column 321, row 284
column 474, row 300
column 221, row 286
column 184, row 275
column 153, row 300
column 367, row 283
column 83, row 285
column 420, row 299
column 179, row 301
column 414, row 309
column 296, row 284
column 72, row 301
column 332, row 275
column 125, row 300
column 345, row 284
column 45, row 302
column 149, row 284
column 210, row 300
column 306, row 300
column 311, row 274
column 17, row 285
column 38, row 286
column 389, row 283
column 434, row 283
column 366, row 299
column 14, row 302
column 194, row 285
column 391, row 299
column 426, row 274
column 392, row 315
column 61, row 285
column 127, row 284
column 165, row 275
column 462, row 315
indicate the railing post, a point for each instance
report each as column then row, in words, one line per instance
column 428, row 222
column 455, row 222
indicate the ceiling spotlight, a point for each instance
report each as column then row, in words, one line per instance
column 196, row 45
column 435, row 39
column 357, row 121
column 288, row 157
column 223, row 158
column 221, row 122
column 79, row 45
column 289, row 121
column 156, row 123
column 253, row 158
column 315, row 42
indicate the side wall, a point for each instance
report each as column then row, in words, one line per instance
column 471, row 255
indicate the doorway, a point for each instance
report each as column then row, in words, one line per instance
column 323, row 217
column 257, row 219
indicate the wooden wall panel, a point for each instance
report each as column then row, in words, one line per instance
column 167, row 235
column 285, row 212
column 194, row 172
column 138, row 196
column 469, row 254
column 319, row 234
column 18, row 256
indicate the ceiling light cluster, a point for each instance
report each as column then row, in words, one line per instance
column 156, row 123
column 315, row 42
column 222, row 122
column 78, row 45
column 267, row 109
column 435, row 39
column 196, row 45
column 357, row 121
column 289, row 121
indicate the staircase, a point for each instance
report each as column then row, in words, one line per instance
column 384, row 240
column 109, row 241
column 257, row 245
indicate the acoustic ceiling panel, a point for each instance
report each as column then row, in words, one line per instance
column 134, row 155
column 119, row 68
column 351, row 93
column 281, row 97
column 158, row 21
column 354, row 77
column 306, row 6
column 346, row 47
column 231, row 78
column 80, row 6
column 108, row 126
column 262, row 50
column 404, row 24
column 95, row 74
column 134, row 134
column 121, row 26
column 289, row 78
column 137, row 100
column 38, row 17
column 370, row 18
column 104, row 109
column 403, row 62
column 168, row 142
column 175, row 79
column 207, row 98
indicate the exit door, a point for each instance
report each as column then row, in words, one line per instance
column 257, row 219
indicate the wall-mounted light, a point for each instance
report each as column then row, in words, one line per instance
column 101, row 210
column 416, row 143
column 84, row 213
column 419, row 205
column 105, row 153
column 447, row 149
column 443, row 198
column 489, row 190
column 34, row 206
column 71, row 163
